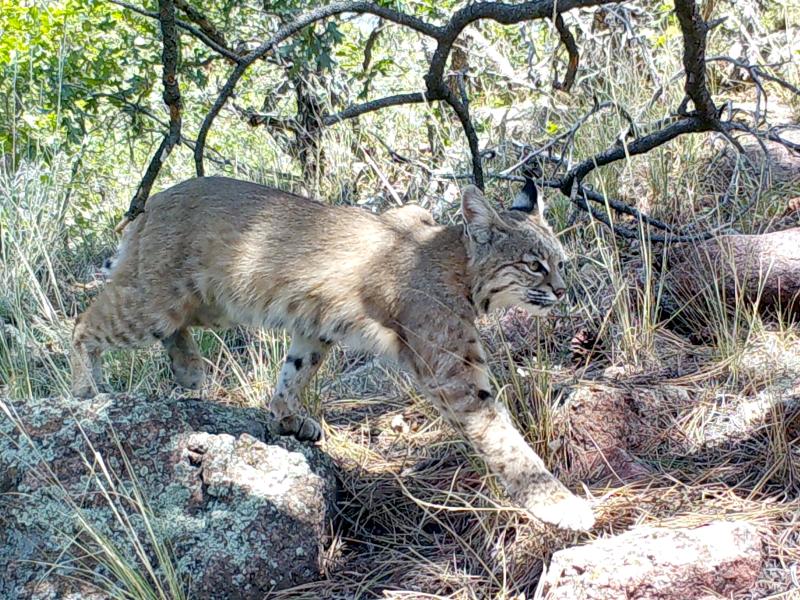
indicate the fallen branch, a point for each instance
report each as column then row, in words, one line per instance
column 761, row 270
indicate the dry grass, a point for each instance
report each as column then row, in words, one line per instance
column 419, row 518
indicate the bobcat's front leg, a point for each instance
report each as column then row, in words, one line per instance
column 302, row 362
column 459, row 388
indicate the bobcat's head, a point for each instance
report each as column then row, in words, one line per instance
column 515, row 258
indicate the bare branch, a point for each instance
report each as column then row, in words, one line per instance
column 572, row 50
column 758, row 70
column 583, row 196
column 172, row 98
column 359, row 109
column 202, row 21
column 689, row 124
column 694, row 31
column 462, row 110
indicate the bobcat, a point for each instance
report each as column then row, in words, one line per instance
column 217, row 252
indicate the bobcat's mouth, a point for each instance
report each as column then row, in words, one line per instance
column 538, row 298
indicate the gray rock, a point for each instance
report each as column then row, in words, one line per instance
column 236, row 517
column 650, row 563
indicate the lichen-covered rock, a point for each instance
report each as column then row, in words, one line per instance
column 231, row 509
column 651, row 563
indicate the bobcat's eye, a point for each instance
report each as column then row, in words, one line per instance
column 537, row 266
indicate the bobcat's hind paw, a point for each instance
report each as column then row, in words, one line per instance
column 566, row 512
column 304, row 429
column 88, row 390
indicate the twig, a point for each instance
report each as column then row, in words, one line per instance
column 582, row 201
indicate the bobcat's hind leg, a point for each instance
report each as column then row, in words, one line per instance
column 185, row 359
column 120, row 317
column 302, row 362
column 459, row 388
column 89, row 340
column 87, row 371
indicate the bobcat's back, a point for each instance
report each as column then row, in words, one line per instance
column 231, row 252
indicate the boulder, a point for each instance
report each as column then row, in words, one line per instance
column 650, row 563
column 180, row 490
column 603, row 426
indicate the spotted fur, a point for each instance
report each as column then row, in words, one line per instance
column 217, row 252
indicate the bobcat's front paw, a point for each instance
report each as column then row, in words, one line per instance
column 565, row 511
column 304, row 429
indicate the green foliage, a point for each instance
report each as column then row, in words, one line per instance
column 312, row 46
column 55, row 57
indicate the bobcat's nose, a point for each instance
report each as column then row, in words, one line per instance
column 559, row 292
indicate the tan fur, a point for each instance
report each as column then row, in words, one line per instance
column 218, row 252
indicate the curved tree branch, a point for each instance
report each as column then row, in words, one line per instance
column 356, row 110
column 641, row 145
column 462, row 111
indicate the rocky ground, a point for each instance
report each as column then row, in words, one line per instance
column 687, row 487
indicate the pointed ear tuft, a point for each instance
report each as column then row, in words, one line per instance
column 478, row 215
column 528, row 199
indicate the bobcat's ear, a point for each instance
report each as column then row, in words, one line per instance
column 479, row 217
column 527, row 200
